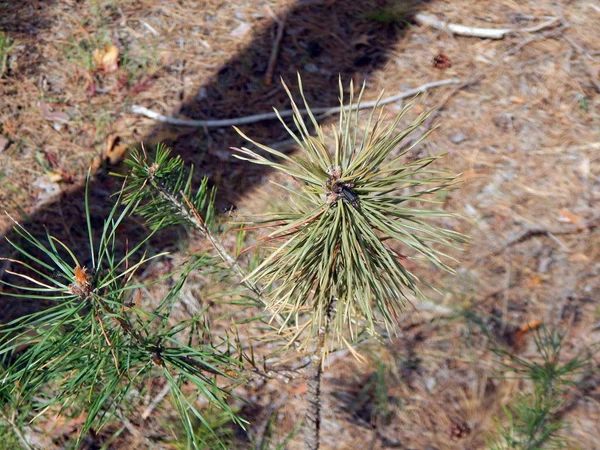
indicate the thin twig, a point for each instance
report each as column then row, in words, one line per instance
column 461, row 30
column 484, row 33
column 551, row 232
column 274, row 50
column 20, row 436
column 150, row 28
column 542, row 26
column 223, row 253
column 584, row 55
column 325, row 111
column 159, row 398
column 188, row 210
column 312, row 426
column 517, row 48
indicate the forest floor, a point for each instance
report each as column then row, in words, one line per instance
column 521, row 125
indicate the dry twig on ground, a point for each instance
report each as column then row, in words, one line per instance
column 274, row 49
column 584, row 55
column 325, row 111
column 543, row 231
column 484, row 33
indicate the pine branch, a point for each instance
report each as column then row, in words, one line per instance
column 53, row 358
column 175, row 202
column 333, row 240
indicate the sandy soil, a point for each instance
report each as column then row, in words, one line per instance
column 522, row 127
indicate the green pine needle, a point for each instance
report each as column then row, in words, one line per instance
column 89, row 346
column 163, row 193
column 334, row 257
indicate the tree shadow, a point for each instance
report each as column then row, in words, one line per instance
column 322, row 40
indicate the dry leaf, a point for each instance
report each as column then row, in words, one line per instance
column 55, row 116
column 46, row 189
column 517, row 100
column 520, row 333
column 107, row 59
column 115, row 151
column 530, row 326
column 578, row 258
column 55, row 177
column 441, row 61
column 534, row 280
column 569, row 217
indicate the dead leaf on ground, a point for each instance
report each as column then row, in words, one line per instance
column 442, row 61
column 519, row 335
column 578, row 258
column 107, row 59
column 569, row 217
column 115, row 151
column 55, row 116
column 534, row 281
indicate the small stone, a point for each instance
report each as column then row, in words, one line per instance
column 46, row 188
column 202, row 94
column 4, row 143
column 430, row 383
column 458, row 137
column 311, row 68
column 241, row 30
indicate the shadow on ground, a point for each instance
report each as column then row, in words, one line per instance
column 322, row 40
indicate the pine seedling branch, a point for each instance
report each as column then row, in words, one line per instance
column 164, row 193
column 87, row 346
column 333, row 270
column 534, row 420
column 337, row 268
column 357, row 196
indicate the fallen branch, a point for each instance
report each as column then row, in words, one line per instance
column 485, row 33
column 325, row 111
